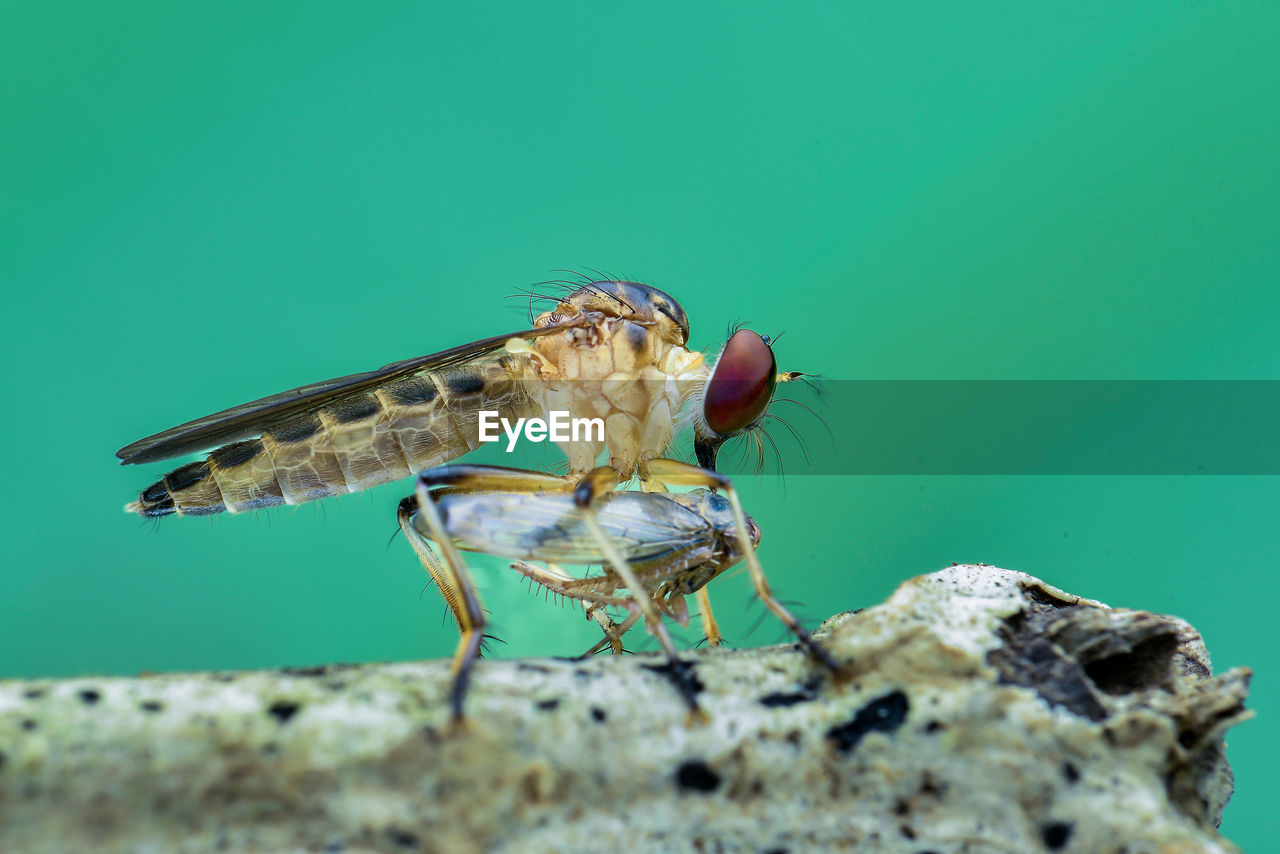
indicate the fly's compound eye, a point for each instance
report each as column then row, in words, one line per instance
column 741, row 385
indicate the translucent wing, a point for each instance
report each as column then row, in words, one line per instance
column 548, row 527
column 250, row 419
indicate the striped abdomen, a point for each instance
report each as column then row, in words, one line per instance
column 354, row 443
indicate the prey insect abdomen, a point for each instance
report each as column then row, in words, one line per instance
column 352, row 444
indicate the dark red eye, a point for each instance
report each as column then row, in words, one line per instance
column 741, row 384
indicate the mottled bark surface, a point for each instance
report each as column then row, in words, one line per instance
column 984, row 711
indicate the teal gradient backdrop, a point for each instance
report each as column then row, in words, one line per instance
column 200, row 208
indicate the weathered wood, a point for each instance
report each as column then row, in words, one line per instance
column 984, row 711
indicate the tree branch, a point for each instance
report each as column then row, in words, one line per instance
column 985, row 711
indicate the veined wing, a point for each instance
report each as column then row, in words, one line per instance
column 644, row 526
column 250, row 419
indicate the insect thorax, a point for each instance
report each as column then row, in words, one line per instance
column 628, row 374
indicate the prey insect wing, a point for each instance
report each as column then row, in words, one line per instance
column 646, row 527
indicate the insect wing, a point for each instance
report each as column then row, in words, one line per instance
column 250, row 419
column 548, row 527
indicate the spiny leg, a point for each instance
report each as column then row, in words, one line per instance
column 677, row 472
column 465, row 603
column 709, row 625
column 452, row 576
column 677, row 670
column 429, row 559
column 613, row 632
column 561, row 583
column 456, row 586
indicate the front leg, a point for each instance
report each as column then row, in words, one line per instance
column 674, row 472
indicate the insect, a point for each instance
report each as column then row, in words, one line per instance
column 674, row 543
column 609, row 350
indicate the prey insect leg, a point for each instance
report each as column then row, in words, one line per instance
column 439, row 494
column 562, row 584
column 674, row 472
column 709, row 624
column 613, row 632
column 588, row 488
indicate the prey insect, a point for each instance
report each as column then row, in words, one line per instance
column 611, row 350
column 672, row 544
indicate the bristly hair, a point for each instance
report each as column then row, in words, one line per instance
column 563, row 287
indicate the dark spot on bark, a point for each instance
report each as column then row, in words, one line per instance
column 28, row 725
column 300, row 429
column 683, row 673
column 412, row 391
column 780, row 699
column 317, row 670
column 697, row 776
column 548, row 705
column 224, row 677
column 907, row 832
column 1070, row 772
column 151, row 705
column 1055, row 834
column 884, row 714
column 270, row 749
column 355, row 408
column 33, row 693
column 187, row 476
column 934, row 726
column 230, row 456
column 901, row 807
column 431, row 734
column 598, row 715
column 283, row 710
column 777, row 851
column 931, row 787
column 402, row 838
column 89, row 696
column 1031, row 660
column 1147, row 665
column 530, row 668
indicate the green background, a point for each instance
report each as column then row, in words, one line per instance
column 201, row 207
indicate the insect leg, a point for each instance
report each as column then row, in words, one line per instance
column 454, row 580
column 430, row 560
column 676, row 472
column 613, row 632
column 562, row 584
column 677, row 670
column 594, row 483
column 459, row 592
column 708, row 619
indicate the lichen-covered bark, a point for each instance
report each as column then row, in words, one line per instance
column 984, row 711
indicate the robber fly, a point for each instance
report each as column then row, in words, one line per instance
column 613, row 350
